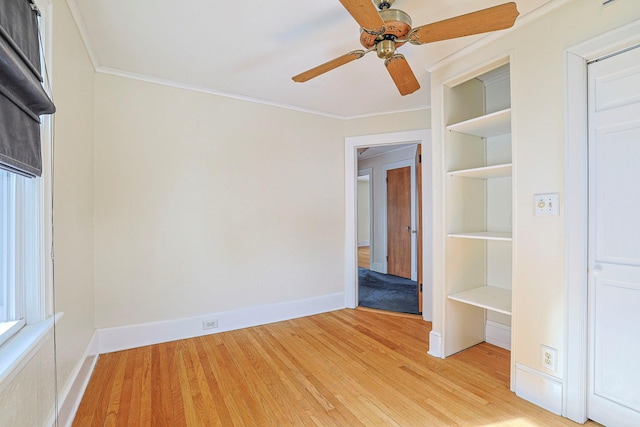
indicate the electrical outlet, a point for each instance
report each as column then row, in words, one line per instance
column 210, row 324
column 546, row 204
column 549, row 357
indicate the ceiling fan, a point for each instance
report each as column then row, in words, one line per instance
column 388, row 29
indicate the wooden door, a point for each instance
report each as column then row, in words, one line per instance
column 614, row 240
column 399, row 222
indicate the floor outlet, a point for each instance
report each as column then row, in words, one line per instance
column 210, row 324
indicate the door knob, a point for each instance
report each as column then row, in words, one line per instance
column 597, row 269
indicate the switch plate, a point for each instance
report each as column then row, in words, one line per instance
column 546, row 204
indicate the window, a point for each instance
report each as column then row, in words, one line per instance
column 19, row 249
column 25, row 217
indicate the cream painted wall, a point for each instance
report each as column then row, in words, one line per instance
column 364, row 211
column 28, row 398
column 387, row 123
column 537, row 84
column 73, row 83
column 207, row 204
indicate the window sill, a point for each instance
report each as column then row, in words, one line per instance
column 6, row 327
column 16, row 352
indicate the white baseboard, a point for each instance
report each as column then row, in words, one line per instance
column 364, row 243
column 539, row 388
column 435, row 344
column 71, row 395
column 132, row 336
column 498, row 334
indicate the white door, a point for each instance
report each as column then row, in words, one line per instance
column 614, row 240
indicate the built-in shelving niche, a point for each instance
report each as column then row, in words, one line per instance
column 478, row 209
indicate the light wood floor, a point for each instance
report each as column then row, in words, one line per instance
column 363, row 256
column 344, row 368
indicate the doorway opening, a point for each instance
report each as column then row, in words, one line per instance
column 387, row 221
column 374, row 255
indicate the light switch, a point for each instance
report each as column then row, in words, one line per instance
column 546, row 204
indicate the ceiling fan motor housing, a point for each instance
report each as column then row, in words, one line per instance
column 397, row 26
column 384, row 4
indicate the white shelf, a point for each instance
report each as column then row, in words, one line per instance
column 486, row 172
column 493, row 124
column 489, row 297
column 484, row 235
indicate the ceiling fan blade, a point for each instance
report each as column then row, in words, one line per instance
column 365, row 14
column 329, row 65
column 482, row 21
column 401, row 74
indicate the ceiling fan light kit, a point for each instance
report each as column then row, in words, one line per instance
column 385, row 30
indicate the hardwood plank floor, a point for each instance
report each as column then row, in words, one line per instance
column 344, row 368
column 364, row 253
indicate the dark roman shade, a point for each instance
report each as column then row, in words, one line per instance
column 22, row 97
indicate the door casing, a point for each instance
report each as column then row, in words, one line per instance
column 574, row 402
column 422, row 137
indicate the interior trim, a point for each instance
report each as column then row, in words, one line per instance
column 539, row 388
column 142, row 334
column 72, row 393
column 576, row 211
column 351, row 239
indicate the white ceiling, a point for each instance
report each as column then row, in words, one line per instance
column 251, row 49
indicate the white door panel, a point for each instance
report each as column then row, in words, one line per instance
column 614, row 240
column 616, row 303
column 615, row 87
column 617, row 168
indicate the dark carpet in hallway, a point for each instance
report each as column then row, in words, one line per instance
column 387, row 292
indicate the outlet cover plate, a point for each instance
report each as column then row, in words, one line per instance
column 549, row 357
column 209, row 324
